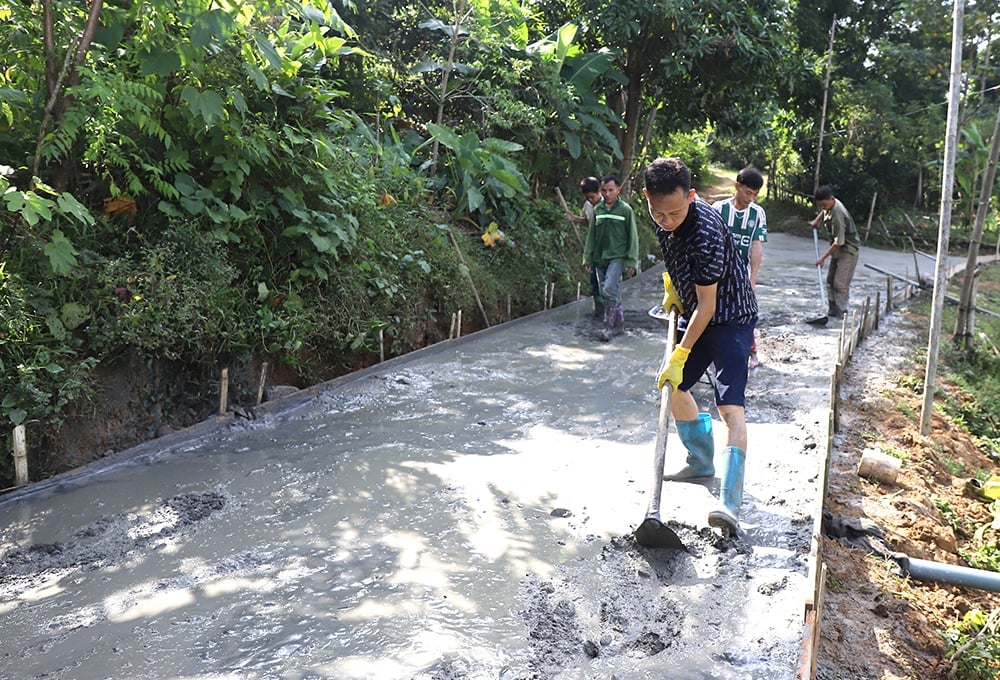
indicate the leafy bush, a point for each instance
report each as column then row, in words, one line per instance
column 692, row 148
column 974, row 645
column 40, row 369
column 175, row 299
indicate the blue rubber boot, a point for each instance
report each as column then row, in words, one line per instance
column 696, row 435
column 727, row 516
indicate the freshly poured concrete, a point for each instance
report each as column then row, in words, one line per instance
column 465, row 512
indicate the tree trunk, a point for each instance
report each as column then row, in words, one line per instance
column 460, row 18
column 633, row 101
column 56, row 104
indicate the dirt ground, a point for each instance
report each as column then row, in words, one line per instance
column 874, row 622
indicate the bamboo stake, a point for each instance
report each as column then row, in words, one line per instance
column 468, row 275
column 223, row 391
column 871, row 213
column 20, row 456
column 263, row 379
column 885, row 229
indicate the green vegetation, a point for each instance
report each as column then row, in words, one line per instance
column 948, row 514
column 896, row 452
column 976, row 372
column 974, row 646
column 214, row 184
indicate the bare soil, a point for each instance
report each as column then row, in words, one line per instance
column 876, row 623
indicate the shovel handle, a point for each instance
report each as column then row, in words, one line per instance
column 562, row 200
column 663, row 423
column 819, row 270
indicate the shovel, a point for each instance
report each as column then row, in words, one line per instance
column 819, row 320
column 653, row 533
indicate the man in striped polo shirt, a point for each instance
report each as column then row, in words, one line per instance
column 720, row 313
column 748, row 222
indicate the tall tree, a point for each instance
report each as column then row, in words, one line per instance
column 683, row 60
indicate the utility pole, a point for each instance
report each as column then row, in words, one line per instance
column 944, row 221
column 826, row 95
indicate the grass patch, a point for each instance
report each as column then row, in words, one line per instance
column 896, row 452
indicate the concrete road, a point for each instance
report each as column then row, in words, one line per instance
column 462, row 512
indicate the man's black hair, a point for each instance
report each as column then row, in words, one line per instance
column 610, row 177
column 589, row 184
column 666, row 175
column 751, row 177
column 823, row 193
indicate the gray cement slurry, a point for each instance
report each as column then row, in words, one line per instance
column 462, row 513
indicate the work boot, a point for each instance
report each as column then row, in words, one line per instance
column 598, row 306
column 609, row 321
column 618, row 319
column 696, row 436
column 726, row 517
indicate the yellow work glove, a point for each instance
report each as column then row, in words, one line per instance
column 670, row 297
column 673, row 372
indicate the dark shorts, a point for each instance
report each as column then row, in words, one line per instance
column 728, row 347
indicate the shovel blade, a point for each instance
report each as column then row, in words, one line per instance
column 653, row 533
column 818, row 321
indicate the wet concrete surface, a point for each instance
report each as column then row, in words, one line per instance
column 462, row 512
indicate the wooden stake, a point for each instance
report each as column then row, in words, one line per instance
column 263, row 379
column 223, row 391
column 871, row 212
column 458, row 325
column 885, row 229
column 381, row 346
column 472, row 284
column 20, row 456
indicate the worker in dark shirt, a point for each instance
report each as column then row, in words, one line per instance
column 711, row 287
